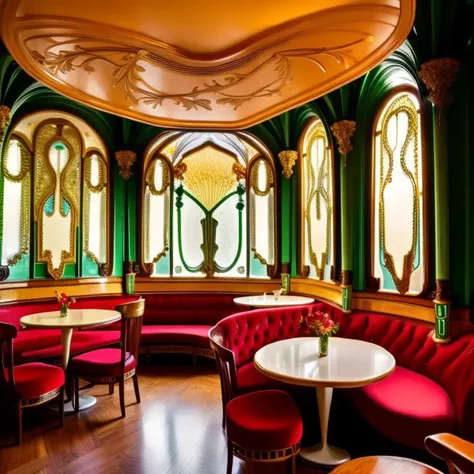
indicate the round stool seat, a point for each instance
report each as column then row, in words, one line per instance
column 266, row 420
column 384, row 465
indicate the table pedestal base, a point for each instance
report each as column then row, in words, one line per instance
column 326, row 455
column 85, row 402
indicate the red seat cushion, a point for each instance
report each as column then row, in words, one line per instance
column 406, row 407
column 104, row 362
column 264, row 420
column 34, row 344
column 250, row 379
column 36, row 379
column 186, row 335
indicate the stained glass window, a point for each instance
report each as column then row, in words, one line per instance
column 16, row 198
column 398, row 213
column 44, row 186
column 203, row 195
column 318, row 202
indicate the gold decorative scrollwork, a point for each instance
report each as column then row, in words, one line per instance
column 65, row 54
column 95, row 189
column 150, row 176
column 125, row 160
column 46, row 182
column 152, row 191
column 318, row 190
column 179, row 171
column 269, row 181
column 401, row 105
column 288, row 159
column 4, row 120
column 23, row 177
column 343, row 131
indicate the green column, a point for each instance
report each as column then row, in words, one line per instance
column 347, row 230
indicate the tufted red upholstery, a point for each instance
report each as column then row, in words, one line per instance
column 264, row 420
column 449, row 366
column 103, row 362
column 35, row 379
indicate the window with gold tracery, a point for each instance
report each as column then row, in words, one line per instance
column 208, row 207
column 318, row 202
column 398, row 212
column 64, row 190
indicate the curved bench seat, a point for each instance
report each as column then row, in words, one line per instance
column 406, row 398
column 431, row 390
column 195, row 335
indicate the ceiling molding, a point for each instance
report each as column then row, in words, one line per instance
column 132, row 73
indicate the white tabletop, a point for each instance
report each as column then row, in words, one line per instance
column 349, row 363
column 78, row 318
column 269, row 301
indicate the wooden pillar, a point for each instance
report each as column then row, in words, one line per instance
column 438, row 76
column 343, row 132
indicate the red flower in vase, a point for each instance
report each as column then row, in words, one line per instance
column 318, row 323
column 64, row 299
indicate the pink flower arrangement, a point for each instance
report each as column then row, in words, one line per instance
column 64, row 300
column 318, row 323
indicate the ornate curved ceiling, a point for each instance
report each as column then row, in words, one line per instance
column 205, row 64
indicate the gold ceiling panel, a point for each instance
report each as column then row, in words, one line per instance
column 201, row 64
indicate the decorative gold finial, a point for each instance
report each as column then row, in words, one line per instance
column 125, row 160
column 343, row 131
column 239, row 171
column 288, row 159
column 438, row 76
column 179, row 171
column 4, row 119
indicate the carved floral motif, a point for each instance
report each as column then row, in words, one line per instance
column 125, row 160
column 4, row 119
column 343, row 131
column 288, row 159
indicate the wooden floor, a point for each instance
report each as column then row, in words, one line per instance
column 175, row 430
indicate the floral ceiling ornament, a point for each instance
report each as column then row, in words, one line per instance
column 288, row 159
column 125, row 160
column 438, row 75
column 4, row 119
column 343, row 131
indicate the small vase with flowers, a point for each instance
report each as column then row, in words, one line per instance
column 319, row 324
column 64, row 301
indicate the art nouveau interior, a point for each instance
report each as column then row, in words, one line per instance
column 236, row 237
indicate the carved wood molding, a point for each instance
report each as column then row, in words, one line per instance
column 273, row 69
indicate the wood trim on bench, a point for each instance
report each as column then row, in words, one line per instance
column 176, row 349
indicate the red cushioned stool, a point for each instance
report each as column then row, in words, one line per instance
column 28, row 384
column 263, row 426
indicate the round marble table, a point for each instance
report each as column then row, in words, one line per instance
column 78, row 318
column 269, row 301
column 350, row 363
column 384, row 465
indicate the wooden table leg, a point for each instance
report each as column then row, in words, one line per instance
column 323, row 454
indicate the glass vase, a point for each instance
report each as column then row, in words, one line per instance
column 64, row 313
column 323, row 345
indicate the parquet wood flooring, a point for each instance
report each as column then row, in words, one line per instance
column 175, row 430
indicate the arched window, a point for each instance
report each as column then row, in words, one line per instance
column 52, row 157
column 208, row 206
column 398, row 213
column 317, row 188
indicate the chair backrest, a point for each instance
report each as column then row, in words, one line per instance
column 8, row 332
column 452, row 449
column 132, row 321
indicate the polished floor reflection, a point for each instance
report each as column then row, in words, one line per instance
column 175, row 430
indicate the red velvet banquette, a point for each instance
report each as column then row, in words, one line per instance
column 430, row 391
column 172, row 323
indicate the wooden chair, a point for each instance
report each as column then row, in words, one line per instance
column 457, row 452
column 111, row 366
column 27, row 385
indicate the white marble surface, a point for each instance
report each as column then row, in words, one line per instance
column 350, row 363
column 77, row 318
column 269, row 301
